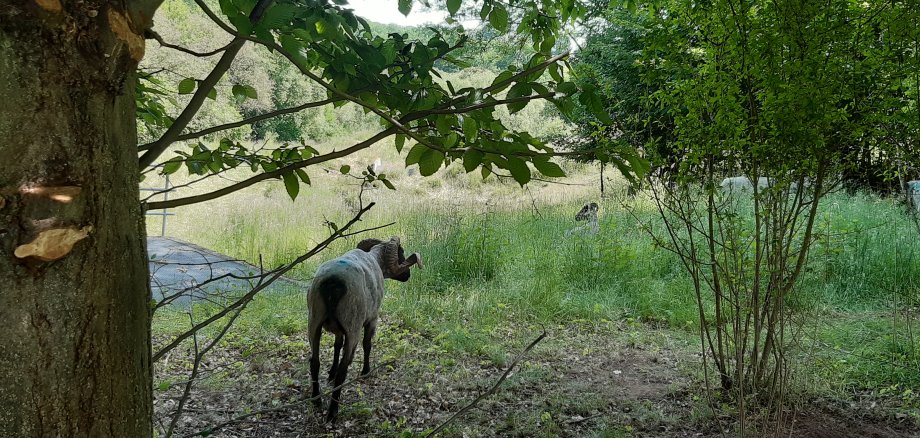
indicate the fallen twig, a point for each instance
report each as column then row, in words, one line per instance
column 491, row 390
column 293, row 404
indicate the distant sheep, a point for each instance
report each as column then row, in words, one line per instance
column 588, row 214
column 345, row 299
column 739, row 184
column 913, row 191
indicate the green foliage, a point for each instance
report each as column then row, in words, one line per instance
column 152, row 103
column 395, row 80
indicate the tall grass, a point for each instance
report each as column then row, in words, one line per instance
column 493, row 260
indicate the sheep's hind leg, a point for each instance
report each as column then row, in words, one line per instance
column 315, row 337
column 369, row 330
column 337, row 348
column 341, row 374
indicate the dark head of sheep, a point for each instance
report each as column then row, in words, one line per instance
column 345, row 299
column 396, row 261
column 587, row 213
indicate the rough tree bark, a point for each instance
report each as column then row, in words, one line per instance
column 74, row 297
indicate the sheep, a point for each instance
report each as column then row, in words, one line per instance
column 588, row 213
column 913, row 192
column 744, row 184
column 345, row 298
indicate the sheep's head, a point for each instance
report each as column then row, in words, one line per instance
column 588, row 212
column 394, row 264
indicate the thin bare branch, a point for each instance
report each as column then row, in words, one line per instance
column 244, row 122
column 491, row 390
column 150, row 34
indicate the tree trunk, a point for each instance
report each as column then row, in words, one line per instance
column 74, row 305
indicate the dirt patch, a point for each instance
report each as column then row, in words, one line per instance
column 830, row 422
column 610, row 380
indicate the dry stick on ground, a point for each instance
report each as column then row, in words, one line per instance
column 293, row 404
column 196, row 367
column 492, row 389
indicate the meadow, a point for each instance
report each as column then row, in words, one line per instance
column 499, row 269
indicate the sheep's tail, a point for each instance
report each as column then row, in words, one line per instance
column 331, row 290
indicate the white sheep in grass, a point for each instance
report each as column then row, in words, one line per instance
column 738, row 184
column 913, row 192
column 345, row 299
column 588, row 214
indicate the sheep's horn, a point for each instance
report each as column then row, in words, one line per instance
column 366, row 244
column 394, row 260
column 413, row 259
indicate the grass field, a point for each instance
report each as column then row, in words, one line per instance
column 498, row 267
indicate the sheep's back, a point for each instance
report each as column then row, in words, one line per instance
column 363, row 280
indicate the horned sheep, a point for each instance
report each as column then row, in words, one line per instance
column 345, row 299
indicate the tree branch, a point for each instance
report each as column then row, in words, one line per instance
column 150, row 34
column 490, row 104
column 244, row 122
column 204, row 88
column 268, row 175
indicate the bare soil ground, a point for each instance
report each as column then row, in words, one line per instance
column 608, row 380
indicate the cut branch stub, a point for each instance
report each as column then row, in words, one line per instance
column 63, row 194
column 53, row 6
column 122, row 30
column 53, row 244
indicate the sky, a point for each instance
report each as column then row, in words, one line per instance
column 385, row 11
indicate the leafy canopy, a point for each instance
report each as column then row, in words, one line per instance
column 394, row 78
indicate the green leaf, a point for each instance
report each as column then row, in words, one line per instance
column 212, row 94
column 593, row 102
column 470, row 129
column 430, row 161
column 503, row 76
column 472, row 159
column 400, row 141
column 519, row 170
column 345, row 169
column 405, row 6
column 453, row 6
column 303, row 176
column 291, row 184
column 171, row 166
column 245, row 91
column 566, row 88
column 242, row 23
column 451, row 140
column 415, row 154
column 187, row 86
column 548, row 168
column 237, row 91
column 498, row 18
column 387, row 183
column 519, row 89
